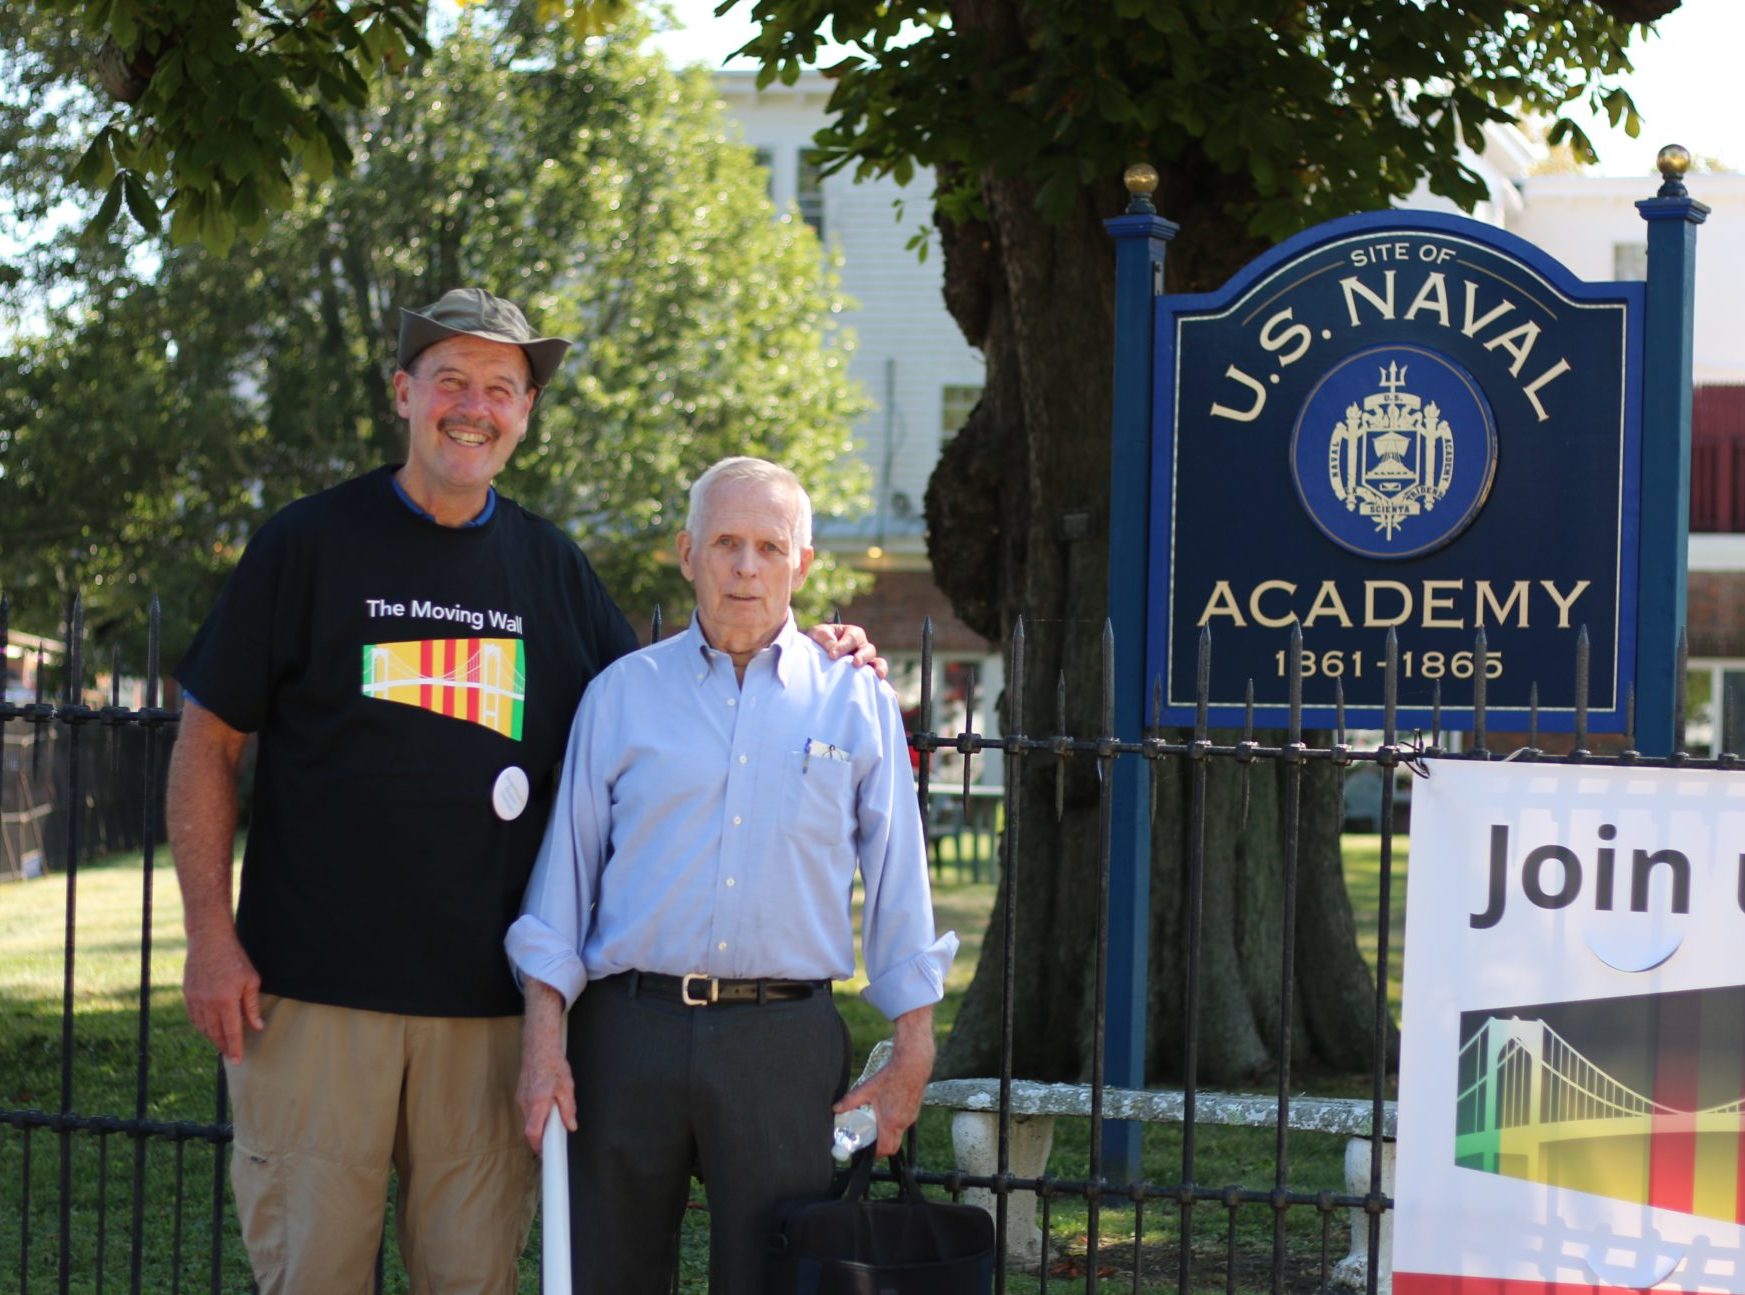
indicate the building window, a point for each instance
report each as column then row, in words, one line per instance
column 955, row 404
column 1714, row 707
column 766, row 160
column 809, row 189
column 1629, row 260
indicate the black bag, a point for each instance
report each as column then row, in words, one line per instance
column 853, row 1246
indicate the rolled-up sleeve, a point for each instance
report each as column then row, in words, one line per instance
column 906, row 962
column 546, row 941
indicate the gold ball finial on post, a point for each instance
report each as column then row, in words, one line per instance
column 1673, row 161
column 1141, row 182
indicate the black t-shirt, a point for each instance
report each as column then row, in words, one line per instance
column 395, row 669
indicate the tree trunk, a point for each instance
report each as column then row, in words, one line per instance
column 1017, row 514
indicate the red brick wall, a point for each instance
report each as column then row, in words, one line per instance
column 1715, row 613
column 892, row 612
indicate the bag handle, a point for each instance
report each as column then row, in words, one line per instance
column 860, row 1176
column 905, row 1173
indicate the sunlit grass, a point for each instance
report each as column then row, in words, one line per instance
column 1363, row 882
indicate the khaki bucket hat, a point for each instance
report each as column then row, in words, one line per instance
column 478, row 313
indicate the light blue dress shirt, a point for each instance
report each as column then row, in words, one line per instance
column 704, row 826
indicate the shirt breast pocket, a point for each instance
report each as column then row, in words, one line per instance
column 818, row 801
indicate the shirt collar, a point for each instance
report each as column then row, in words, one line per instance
column 484, row 514
column 787, row 642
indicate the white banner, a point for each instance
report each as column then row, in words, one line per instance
column 1573, row 1050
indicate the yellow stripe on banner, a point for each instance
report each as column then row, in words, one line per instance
column 1716, row 1171
column 399, row 672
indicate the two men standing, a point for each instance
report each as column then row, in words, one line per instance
column 410, row 646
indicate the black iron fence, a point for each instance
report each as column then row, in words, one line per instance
column 138, row 1190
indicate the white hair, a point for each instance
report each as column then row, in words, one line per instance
column 744, row 468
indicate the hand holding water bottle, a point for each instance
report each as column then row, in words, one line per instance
column 854, row 1129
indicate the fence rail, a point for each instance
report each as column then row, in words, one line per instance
column 83, row 1229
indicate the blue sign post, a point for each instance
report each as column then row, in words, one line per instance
column 1140, row 240
column 1399, row 421
column 1673, row 217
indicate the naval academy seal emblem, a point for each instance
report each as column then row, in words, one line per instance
column 1394, row 452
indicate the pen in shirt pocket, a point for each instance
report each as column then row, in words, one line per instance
column 823, row 750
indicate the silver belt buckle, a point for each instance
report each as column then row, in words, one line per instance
column 709, row 994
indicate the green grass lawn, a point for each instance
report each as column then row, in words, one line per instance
column 1363, row 881
column 176, row 1248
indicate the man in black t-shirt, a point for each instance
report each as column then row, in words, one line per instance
column 410, row 647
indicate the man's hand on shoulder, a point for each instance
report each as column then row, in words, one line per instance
column 849, row 640
column 222, row 990
column 895, row 1092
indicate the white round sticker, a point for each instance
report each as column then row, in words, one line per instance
column 509, row 796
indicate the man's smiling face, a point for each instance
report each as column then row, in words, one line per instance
column 467, row 401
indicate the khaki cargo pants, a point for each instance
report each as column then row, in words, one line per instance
column 327, row 1098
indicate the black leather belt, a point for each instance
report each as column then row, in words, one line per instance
column 697, row 990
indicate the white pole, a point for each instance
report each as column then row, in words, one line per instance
column 554, row 1159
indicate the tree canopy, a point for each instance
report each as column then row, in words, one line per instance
column 208, row 112
column 170, row 397
column 1307, row 109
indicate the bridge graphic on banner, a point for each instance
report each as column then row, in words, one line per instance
column 1532, row 1106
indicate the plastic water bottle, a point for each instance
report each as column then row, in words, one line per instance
column 854, row 1129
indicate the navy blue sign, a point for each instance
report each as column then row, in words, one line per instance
column 1406, row 421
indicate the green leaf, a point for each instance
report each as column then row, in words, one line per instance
column 186, row 208
column 122, row 27
column 217, row 229
column 106, row 213
column 1054, row 198
column 338, row 147
column 317, row 157
column 245, row 204
column 140, row 204
column 167, row 79
column 1265, row 176
column 96, row 17
column 237, row 156
column 1565, row 131
column 1114, row 104
column 96, row 165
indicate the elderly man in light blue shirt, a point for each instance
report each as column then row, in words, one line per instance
column 691, row 901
